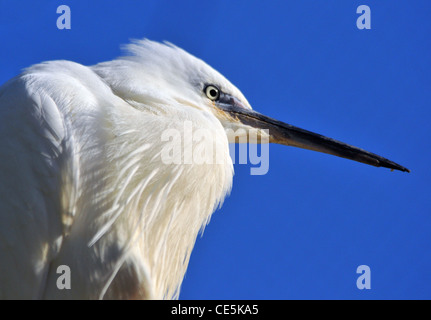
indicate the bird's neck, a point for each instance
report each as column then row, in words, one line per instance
column 144, row 211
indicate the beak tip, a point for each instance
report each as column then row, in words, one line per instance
column 395, row 166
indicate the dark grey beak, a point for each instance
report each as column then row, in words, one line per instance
column 286, row 134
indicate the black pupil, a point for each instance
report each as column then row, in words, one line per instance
column 213, row 93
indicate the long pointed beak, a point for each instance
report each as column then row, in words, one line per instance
column 286, row 134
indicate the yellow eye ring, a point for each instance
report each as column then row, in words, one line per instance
column 212, row 92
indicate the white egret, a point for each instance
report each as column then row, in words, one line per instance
column 83, row 184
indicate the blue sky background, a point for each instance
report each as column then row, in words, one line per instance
column 300, row 231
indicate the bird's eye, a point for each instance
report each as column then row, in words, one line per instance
column 212, row 92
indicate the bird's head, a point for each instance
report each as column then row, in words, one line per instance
column 165, row 74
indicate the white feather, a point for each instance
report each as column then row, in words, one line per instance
column 82, row 182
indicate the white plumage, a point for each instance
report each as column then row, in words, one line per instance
column 82, row 183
